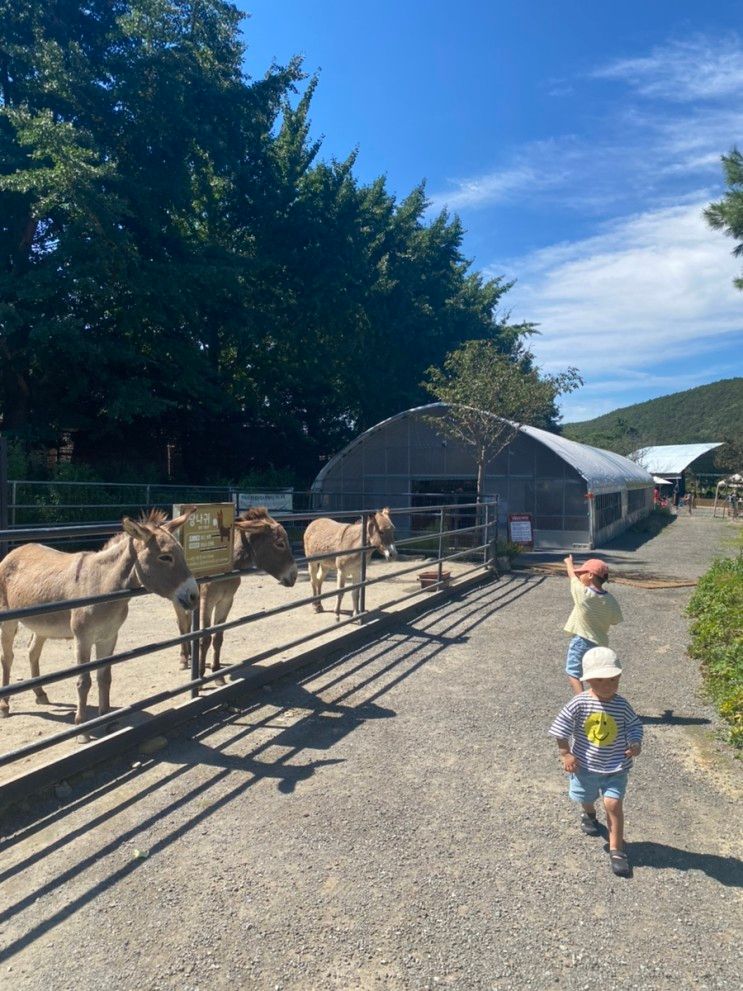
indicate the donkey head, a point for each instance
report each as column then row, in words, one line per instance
column 380, row 533
column 261, row 541
column 160, row 565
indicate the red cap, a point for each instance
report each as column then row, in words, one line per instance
column 595, row 567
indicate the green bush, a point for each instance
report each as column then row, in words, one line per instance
column 717, row 639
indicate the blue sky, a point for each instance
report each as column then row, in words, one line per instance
column 577, row 141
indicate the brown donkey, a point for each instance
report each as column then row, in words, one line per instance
column 144, row 555
column 325, row 536
column 259, row 542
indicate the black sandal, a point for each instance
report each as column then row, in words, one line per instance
column 589, row 824
column 619, row 863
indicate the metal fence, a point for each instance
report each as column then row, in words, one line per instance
column 479, row 554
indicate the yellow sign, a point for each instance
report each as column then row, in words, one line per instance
column 206, row 537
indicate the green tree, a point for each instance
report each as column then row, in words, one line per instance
column 490, row 395
column 727, row 214
column 179, row 267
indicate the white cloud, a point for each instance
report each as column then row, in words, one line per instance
column 486, row 190
column 684, row 71
column 624, row 156
column 651, row 290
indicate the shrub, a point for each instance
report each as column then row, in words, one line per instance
column 717, row 639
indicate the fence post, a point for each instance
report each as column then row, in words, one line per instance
column 440, row 568
column 3, row 493
column 486, row 535
column 362, row 574
column 147, row 496
column 194, row 647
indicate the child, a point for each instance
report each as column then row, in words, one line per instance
column 594, row 611
column 606, row 734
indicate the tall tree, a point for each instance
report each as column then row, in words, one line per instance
column 727, row 214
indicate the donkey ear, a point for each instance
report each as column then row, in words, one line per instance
column 171, row 525
column 136, row 530
column 253, row 527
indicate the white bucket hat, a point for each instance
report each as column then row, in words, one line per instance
column 600, row 662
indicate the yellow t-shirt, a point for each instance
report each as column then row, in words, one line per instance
column 593, row 613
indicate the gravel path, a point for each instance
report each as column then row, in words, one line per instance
column 400, row 821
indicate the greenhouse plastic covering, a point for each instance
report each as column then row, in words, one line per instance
column 602, row 470
column 671, row 459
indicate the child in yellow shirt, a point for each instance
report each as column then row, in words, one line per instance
column 594, row 611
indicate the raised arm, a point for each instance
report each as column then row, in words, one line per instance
column 569, row 566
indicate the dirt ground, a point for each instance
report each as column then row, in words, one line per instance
column 151, row 619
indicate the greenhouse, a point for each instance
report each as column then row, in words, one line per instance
column 576, row 495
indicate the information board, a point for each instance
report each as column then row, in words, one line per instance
column 206, row 538
column 520, row 529
column 275, row 502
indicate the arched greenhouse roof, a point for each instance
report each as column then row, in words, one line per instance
column 600, row 469
column 671, row 459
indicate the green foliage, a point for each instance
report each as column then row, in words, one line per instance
column 705, row 414
column 491, row 393
column 507, row 548
column 218, row 290
column 717, row 638
column 727, row 214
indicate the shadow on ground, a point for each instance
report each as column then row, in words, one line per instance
column 726, row 870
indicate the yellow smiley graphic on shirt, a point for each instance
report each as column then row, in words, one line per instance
column 601, row 729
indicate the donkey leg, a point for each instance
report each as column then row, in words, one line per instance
column 34, row 653
column 184, row 626
column 316, row 577
column 205, row 643
column 82, row 656
column 340, row 583
column 104, row 648
column 221, row 612
column 7, row 636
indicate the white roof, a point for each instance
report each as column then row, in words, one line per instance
column 604, row 471
column 661, row 481
column 671, row 459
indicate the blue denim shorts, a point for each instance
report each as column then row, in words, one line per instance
column 574, row 661
column 585, row 786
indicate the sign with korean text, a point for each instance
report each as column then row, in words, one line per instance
column 278, row 501
column 206, row 537
column 520, row 529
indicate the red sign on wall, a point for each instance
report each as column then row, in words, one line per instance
column 520, row 529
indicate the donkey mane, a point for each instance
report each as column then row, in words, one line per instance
column 151, row 517
column 255, row 513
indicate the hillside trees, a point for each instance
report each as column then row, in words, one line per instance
column 179, row 266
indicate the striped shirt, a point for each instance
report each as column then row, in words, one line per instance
column 600, row 732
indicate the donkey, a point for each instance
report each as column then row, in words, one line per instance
column 325, row 536
column 143, row 555
column 259, row 542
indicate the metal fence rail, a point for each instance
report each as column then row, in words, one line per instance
column 482, row 551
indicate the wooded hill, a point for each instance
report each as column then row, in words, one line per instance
column 708, row 413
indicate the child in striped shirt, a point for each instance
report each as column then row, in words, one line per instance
column 598, row 733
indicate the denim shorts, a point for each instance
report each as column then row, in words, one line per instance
column 585, row 786
column 574, row 661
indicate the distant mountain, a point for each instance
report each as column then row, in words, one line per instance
column 708, row 413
